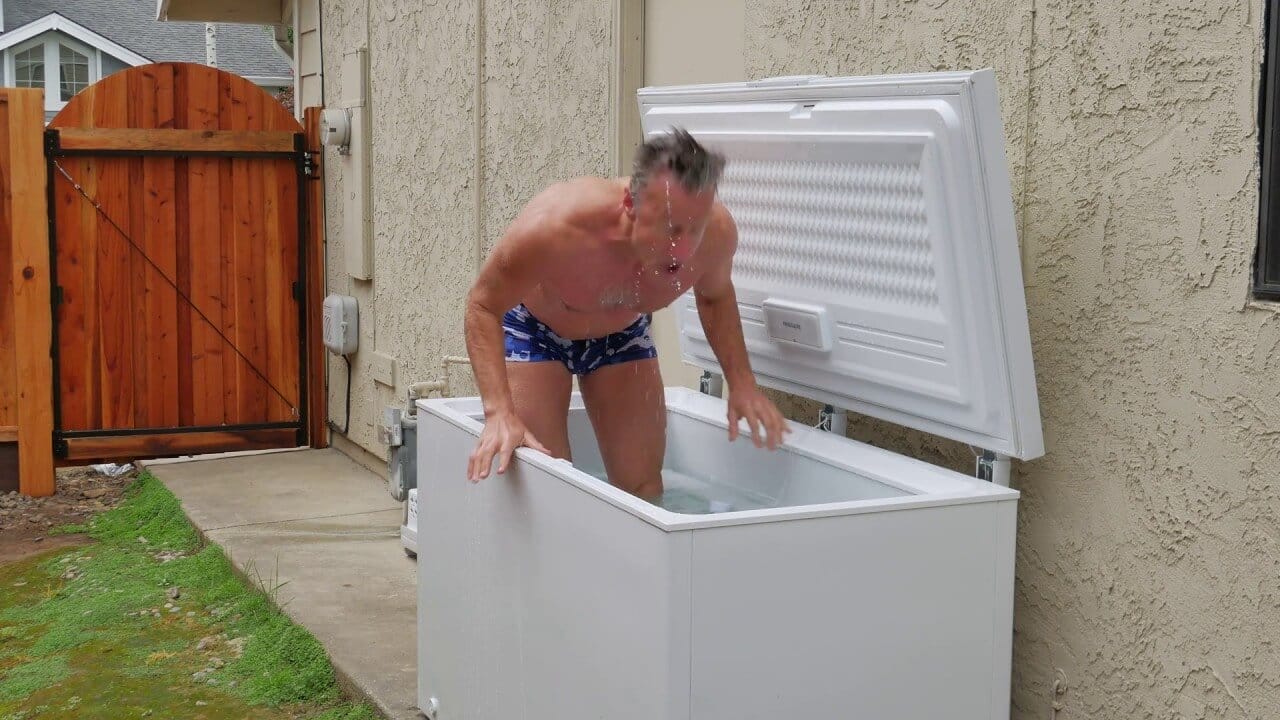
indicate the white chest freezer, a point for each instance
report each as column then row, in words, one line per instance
column 877, row 271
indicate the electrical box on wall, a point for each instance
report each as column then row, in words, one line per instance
column 335, row 128
column 352, row 132
column 341, row 324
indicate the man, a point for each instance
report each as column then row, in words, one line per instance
column 570, row 289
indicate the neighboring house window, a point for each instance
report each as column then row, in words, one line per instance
column 58, row 65
column 29, row 67
column 112, row 64
column 73, row 72
column 1266, row 278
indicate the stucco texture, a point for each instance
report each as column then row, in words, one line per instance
column 1149, row 534
column 545, row 118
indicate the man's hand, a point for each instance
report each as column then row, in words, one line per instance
column 760, row 413
column 503, row 433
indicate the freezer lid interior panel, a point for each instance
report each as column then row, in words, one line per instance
column 877, row 266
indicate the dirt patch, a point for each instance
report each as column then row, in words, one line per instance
column 28, row 525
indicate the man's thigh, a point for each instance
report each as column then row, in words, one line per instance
column 628, row 413
column 540, row 391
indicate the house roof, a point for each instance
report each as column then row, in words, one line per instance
column 247, row 50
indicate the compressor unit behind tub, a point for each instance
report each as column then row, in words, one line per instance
column 399, row 432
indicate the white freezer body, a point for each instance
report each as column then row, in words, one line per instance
column 879, row 587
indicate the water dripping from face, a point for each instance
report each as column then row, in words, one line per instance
column 671, row 231
column 674, row 268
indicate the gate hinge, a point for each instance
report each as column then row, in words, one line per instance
column 309, row 164
column 60, row 448
column 52, row 142
column 297, row 291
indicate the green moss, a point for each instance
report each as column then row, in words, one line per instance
column 150, row 511
column 68, row 530
column 80, row 624
column 31, row 676
column 61, row 638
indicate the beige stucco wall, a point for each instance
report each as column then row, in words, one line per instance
column 1149, row 535
column 545, row 118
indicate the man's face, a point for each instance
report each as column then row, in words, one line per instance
column 669, row 224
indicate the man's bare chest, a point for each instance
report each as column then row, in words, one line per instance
column 593, row 288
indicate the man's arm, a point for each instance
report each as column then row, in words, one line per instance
column 512, row 269
column 718, row 310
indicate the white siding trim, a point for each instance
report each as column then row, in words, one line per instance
column 55, row 22
column 281, row 80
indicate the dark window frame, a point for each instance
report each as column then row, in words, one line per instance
column 1266, row 266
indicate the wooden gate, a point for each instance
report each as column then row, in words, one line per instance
column 177, row 202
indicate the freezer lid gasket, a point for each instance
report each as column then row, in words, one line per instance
column 878, row 265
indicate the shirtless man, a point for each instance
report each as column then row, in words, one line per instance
column 570, row 289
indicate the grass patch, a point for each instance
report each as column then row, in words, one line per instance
column 29, row 677
column 85, row 631
column 351, row 713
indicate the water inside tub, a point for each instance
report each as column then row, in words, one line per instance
column 695, row 496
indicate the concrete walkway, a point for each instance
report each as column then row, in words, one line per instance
column 325, row 526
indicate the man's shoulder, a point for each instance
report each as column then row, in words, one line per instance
column 721, row 228
column 562, row 212
column 581, row 201
column 579, row 188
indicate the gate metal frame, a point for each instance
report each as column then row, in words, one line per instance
column 304, row 167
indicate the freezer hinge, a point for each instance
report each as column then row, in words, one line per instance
column 710, row 383
column 833, row 419
column 993, row 467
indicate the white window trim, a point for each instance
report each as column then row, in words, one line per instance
column 53, row 22
column 51, row 43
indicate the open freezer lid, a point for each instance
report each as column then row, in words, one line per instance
column 877, row 266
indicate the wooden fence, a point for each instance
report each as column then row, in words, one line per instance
column 38, row 400
column 26, row 408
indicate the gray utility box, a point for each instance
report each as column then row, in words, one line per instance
column 877, row 271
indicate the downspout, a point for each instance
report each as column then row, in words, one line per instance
column 211, row 45
column 478, row 137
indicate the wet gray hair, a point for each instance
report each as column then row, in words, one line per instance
column 695, row 167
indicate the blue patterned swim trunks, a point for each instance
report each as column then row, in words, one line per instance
column 528, row 340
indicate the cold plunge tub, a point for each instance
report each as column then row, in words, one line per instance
column 877, row 270
column 871, row 585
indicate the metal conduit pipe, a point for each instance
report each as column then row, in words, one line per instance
column 423, row 389
column 477, row 180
